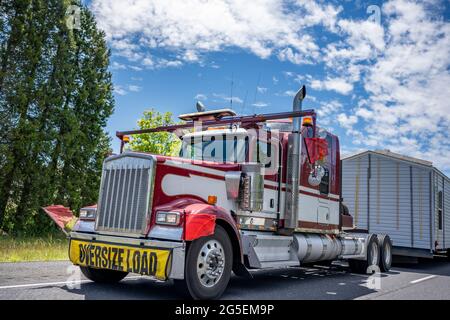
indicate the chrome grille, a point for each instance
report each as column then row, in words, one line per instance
column 126, row 193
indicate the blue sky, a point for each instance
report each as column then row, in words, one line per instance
column 377, row 72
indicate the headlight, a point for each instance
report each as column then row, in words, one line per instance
column 88, row 214
column 168, row 218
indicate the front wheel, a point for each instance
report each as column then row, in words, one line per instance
column 208, row 266
column 103, row 275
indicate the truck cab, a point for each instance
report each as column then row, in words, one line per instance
column 245, row 192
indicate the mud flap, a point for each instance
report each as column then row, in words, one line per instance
column 62, row 217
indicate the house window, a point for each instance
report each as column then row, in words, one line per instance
column 440, row 206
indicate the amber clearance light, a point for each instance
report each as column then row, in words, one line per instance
column 212, row 200
column 307, row 121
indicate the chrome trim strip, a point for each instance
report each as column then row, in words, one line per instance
column 126, row 240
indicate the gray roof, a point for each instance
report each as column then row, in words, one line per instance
column 400, row 157
column 390, row 154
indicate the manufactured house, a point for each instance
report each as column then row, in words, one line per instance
column 404, row 197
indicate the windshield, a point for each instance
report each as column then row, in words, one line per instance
column 217, row 148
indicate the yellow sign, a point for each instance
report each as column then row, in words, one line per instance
column 141, row 260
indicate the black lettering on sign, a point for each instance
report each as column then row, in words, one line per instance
column 97, row 256
column 120, row 259
column 109, row 258
column 114, row 259
column 104, row 257
column 144, row 263
column 129, row 265
column 137, row 262
column 82, row 253
column 153, row 263
column 91, row 255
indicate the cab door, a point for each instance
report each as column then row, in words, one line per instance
column 268, row 152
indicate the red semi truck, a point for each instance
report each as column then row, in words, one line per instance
column 245, row 192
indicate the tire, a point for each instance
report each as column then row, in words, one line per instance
column 385, row 252
column 372, row 258
column 103, row 275
column 200, row 282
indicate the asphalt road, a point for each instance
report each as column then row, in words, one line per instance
column 60, row 280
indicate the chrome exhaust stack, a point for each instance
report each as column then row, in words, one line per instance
column 293, row 165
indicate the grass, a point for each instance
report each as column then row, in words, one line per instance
column 48, row 248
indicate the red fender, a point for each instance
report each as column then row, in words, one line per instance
column 198, row 225
column 200, row 219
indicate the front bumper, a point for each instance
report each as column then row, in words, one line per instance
column 175, row 264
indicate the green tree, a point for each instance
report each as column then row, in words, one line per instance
column 164, row 143
column 55, row 99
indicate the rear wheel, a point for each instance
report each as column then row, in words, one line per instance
column 103, row 275
column 386, row 252
column 208, row 266
column 372, row 258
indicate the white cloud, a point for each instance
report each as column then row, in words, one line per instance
column 120, row 90
column 192, row 27
column 227, row 98
column 404, row 68
column 261, row 89
column 118, row 66
column 395, row 76
column 289, row 93
column 201, row 97
column 134, row 88
column 339, row 85
column 135, row 68
column 260, row 104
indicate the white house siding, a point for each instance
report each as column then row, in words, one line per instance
column 354, row 189
column 390, row 202
column 421, row 207
column 447, row 212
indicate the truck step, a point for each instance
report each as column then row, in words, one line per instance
column 264, row 250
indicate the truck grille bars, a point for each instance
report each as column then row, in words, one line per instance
column 126, row 194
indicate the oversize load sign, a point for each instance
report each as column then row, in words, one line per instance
column 145, row 261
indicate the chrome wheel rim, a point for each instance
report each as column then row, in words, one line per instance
column 210, row 263
column 387, row 254
column 374, row 253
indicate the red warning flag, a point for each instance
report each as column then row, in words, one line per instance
column 317, row 148
column 60, row 215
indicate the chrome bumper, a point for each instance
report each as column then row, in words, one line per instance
column 178, row 248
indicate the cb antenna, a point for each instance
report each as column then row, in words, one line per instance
column 256, row 92
column 231, row 94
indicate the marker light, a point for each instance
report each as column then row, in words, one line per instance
column 212, row 200
column 307, row 121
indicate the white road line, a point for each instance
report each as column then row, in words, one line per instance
column 43, row 284
column 422, row 279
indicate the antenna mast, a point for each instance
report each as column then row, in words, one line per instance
column 231, row 96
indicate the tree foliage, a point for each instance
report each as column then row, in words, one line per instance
column 164, row 143
column 55, row 99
